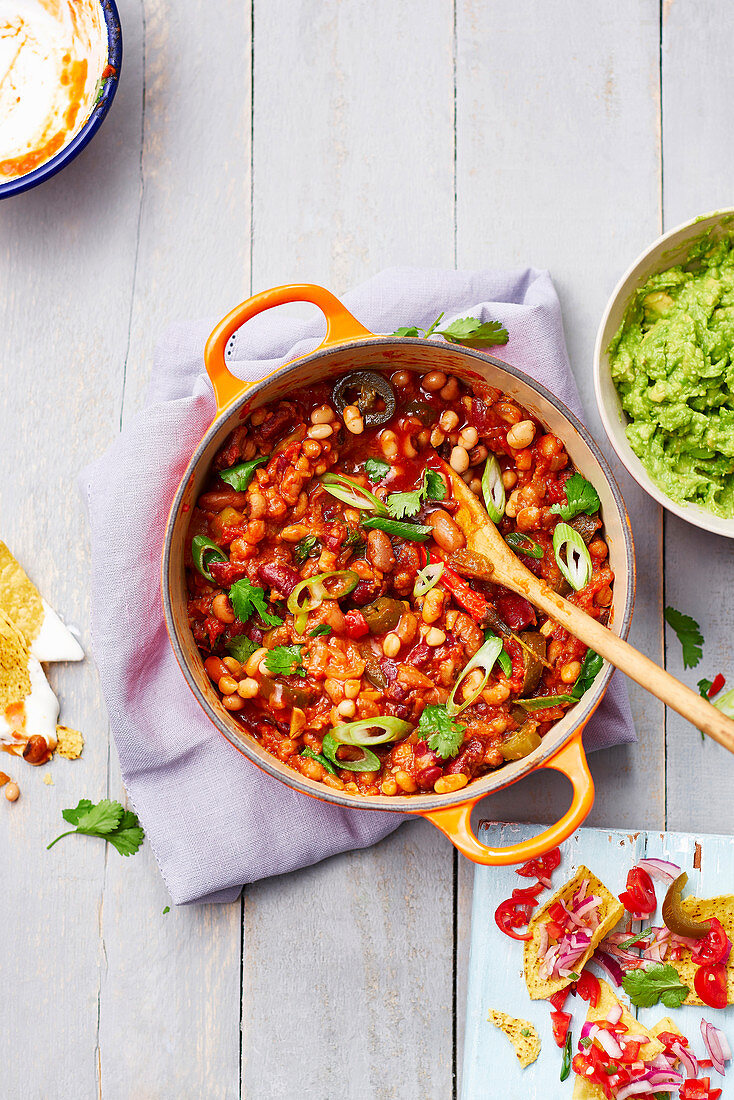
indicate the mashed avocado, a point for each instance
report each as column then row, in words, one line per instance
column 672, row 362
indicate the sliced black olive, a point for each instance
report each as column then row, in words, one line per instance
column 365, row 388
column 532, row 660
column 587, row 526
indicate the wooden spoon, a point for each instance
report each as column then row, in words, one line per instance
column 483, row 538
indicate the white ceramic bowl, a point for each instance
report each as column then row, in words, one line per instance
column 666, row 251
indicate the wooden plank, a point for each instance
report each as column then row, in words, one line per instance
column 697, row 565
column 67, row 252
column 558, row 166
column 353, row 172
column 171, row 984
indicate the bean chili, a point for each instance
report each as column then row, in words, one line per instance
column 307, row 620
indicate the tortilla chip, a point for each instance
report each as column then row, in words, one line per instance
column 527, row 1047
column 69, row 742
column 15, row 680
column 612, row 910
column 585, row 1090
column 19, row 598
column 666, row 1024
column 701, row 909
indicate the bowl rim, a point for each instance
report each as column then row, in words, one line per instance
column 94, row 119
column 415, row 803
column 612, row 417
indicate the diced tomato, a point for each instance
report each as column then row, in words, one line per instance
column 557, row 912
column 355, row 624
column 710, row 984
column 714, row 947
column 555, row 930
column 558, row 999
column 698, row 1089
column 510, row 915
column 716, row 685
column 639, row 897
column 630, row 1051
column 516, row 611
column 541, row 867
column 529, row 894
column 588, row 988
column 560, row 1022
column 667, row 1038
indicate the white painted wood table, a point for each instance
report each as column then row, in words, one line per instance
column 288, row 140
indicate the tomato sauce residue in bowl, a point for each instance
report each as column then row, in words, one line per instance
column 53, row 56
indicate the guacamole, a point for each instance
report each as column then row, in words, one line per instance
column 672, row 362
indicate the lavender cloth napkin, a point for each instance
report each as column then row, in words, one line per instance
column 214, row 821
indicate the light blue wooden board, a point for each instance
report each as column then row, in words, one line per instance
column 491, row 1070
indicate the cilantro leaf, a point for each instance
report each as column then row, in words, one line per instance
column 704, row 687
column 591, row 664
column 285, row 660
column 247, row 598
column 404, row 505
column 660, row 982
column 581, row 496
column 317, row 631
column 434, row 486
column 444, row 735
column 310, row 547
column 108, row 820
column 240, row 476
column 474, row 333
column 689, row 635
column 241, row 648
column 375, row 468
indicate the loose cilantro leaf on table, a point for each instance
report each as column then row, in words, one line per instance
column 285, row 660
column 444, row 735
column 464, row 330
column 247, row 598
column 704, row 687
column 581, row 496
column 108, row 820
column 689, row 635
column 660, row 982
column 376, row 469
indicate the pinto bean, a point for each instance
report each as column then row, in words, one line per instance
column 380, row 551
column 446, row 532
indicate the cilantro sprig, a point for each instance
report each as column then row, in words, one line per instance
column 660, row 982
column 285, row 660
column 376, row 469
column 106, row 819
column 247, row 598
column 581, row 496
column 407, row 505
column 469, row 331
column 444, row 735
column 689, row 635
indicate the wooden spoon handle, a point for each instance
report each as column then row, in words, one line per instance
column 633, row 663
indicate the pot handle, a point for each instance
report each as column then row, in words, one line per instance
column 341, row 327
column 455, row 821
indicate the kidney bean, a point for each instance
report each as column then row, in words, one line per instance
column 419, row 655
column 217, row 499
column 469, row 758
column 225, row 573
column 364, row 593
column 36, row 751
column 426, row 778
column 516, row 611
column 479, row 416
column 279, row 576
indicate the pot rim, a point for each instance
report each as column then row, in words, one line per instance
column 414, row 803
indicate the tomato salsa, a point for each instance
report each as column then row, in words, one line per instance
column 338, row 612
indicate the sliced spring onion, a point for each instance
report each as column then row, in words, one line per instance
column 484, row 658
column 316, row 592
column 368, row 762
column 504, row 660
column 203, row 551
column 575, row 564
column 726, row 704
column 567, row 1056
column 321, row 759
column 522, row 544
column 493, row 490
column 371, row 731
column 428, row 577
column 240, row 476
column 544, row 701
column 352, row 493
column 414, row 532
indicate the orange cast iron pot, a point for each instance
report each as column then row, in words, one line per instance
column 349, row 346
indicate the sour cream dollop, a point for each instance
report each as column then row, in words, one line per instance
column 53, row 54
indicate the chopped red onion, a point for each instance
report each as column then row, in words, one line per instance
column 610, row 1044
column 687, row 1059
column 614, row 1015
column 661, row 869
column 609, row 965
column 717, row 1045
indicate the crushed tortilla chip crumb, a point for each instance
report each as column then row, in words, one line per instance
column 521, row 1034
column 4, row 778
column 48, row 779
column 70, row 742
